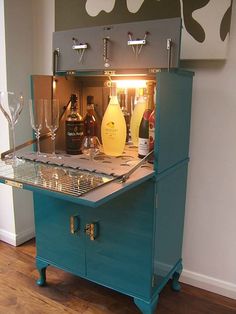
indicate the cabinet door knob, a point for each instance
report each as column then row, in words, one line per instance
column 92, row 230
column 74, row 224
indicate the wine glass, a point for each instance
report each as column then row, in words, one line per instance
column 11, row 105
column 36, row 119
column 51, row 107
column 91, row 146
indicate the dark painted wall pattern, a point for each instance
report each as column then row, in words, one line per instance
column 73, row 14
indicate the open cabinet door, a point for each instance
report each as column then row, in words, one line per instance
column 174, row 96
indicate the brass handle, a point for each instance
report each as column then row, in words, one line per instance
column 74, row 224
column 92, row 230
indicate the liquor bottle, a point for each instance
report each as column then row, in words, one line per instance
column 152, row 124
column 137, row 117
column 90, row 122
column 143, row 141
column 113, row 128
column 125, row 114
column 74, row 128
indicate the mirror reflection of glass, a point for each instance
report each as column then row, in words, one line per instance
column 51, row 107
column 36, row 108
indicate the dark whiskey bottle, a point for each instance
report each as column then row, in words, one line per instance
column 74, row 128
column 90, row 122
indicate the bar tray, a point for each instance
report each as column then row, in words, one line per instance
column 71, row 175
column 60, row 179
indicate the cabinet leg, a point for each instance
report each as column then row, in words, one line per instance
column 147, row 307
column 175, row 281
column 41, row 266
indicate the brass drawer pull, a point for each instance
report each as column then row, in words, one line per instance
column 74, row 224
column 92, row 230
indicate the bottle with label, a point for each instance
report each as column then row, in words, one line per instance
column 113, row 128
column 137, row 117
column 90, row 122
column 74, row 128
column 126, row 114
column 152, row 124
column 143, row 141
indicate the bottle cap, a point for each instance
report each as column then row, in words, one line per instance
column 90, row 100
column 73, row 98
column 73, row 101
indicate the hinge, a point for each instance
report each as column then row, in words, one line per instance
column 154, row 71
column 109, row 73
column 14, row 184
column 70, row 72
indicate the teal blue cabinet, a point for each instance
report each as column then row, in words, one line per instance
column 59, row 239
column 121, row 255
column 125, row 236
column 131, row 238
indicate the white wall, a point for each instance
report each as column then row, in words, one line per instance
column 43, row 27
column 27, row 30
column 210, row 224
column 7, row 222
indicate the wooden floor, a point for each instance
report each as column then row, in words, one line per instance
column 66, row 293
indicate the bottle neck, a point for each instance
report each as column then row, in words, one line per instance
column 113, row 89
column 150, row 96
column 150, row 102
column 113, row 100
column 73, row 108
column 90, row 109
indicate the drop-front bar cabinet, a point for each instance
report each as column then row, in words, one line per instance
column 125, row 236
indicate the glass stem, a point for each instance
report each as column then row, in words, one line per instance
column 13, row 142
column 53, row 136
column 37, row 134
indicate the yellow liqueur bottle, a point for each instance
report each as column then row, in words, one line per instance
column 113, row 129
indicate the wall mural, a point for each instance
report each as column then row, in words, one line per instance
column 206, row 23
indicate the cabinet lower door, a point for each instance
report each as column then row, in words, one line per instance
column 59, row 238
column 120, row 256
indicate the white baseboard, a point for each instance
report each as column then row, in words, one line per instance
column 25, row 236
column 208, row 283
column 8, row 237
column 221, row 287
column 16, row 239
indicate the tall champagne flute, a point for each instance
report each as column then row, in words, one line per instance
column 51, row 107
column 11, row 105
column 36, row 108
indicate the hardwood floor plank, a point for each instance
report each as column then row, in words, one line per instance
column 69, row 294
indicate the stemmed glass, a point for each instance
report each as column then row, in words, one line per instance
column 36, row 108
column 11, row 105
column 91, row 146
column 51, row 107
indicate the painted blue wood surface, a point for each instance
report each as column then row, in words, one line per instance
column 174, row 94
column 121, row 257
column 170, row 209
column 54, row 241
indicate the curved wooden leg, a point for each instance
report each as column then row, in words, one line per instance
column 175, row 282
column 147, row 307
column 175, row 278
column 41, row 266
